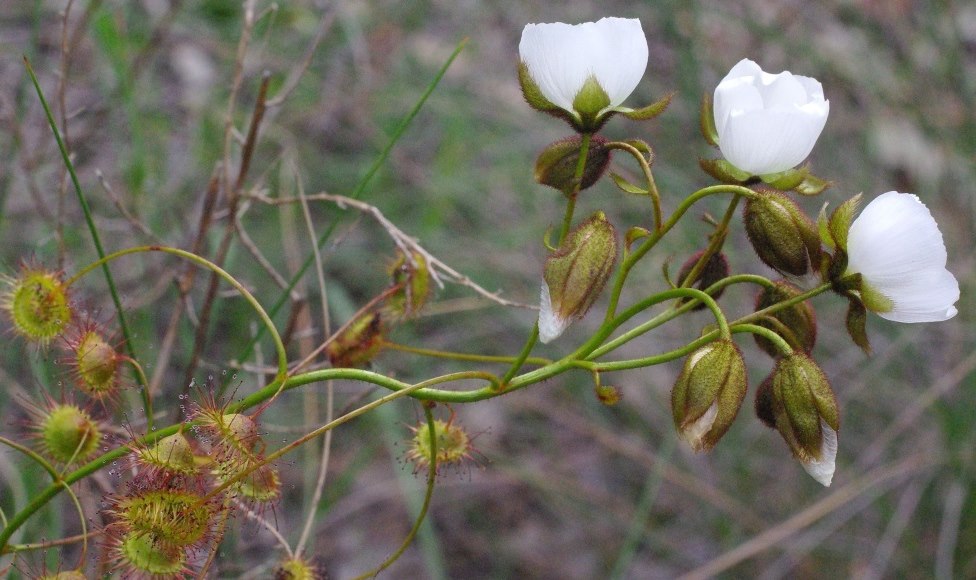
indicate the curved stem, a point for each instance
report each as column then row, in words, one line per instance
column 33, row 455
column 203, row 262
column 652, row 191
column 84, row 525
column 522, row 356
column 148, row 398
column 655, row 237
column 715, row 243
column 89, row 220
column 345, row 418
column 676, row 311
column 783, row 346
column 462, row 356
column 431, row 479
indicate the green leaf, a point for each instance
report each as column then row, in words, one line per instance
column 812, row 185
column 648, row 112
column 633, row 234
column 707, row 121
column 856, row 324
column 786, row 180
column 627, row 186
column 724, row 171
column 841, row 219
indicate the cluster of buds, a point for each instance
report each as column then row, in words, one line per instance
column 235, row 448
column 41, row 311
column 890, row 260
column 158, row 525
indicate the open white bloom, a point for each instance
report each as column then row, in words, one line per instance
column 897, row 248
column 561, row 58
column 767, row 123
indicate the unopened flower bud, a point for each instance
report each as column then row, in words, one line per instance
column 414, row 278
column 575, row 274
column 296, row 568
column 797, row 324
column 38, row 304
column 170, row 454
column 708, row 393
column 68, row 433
column 139, row 554
column 556, row 165
column 96, row 363
column 453, row 444
column 783, row 236
column 357, row 344
column 803, row 409
column 716, row 268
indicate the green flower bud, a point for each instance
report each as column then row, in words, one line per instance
column 357, row 344
column 575, row 274
column 708, row 393
column 783, row 236
column 69, row 434
column 803, row 409
column 556, row 165
column 170, row 454
column 414, row 276
column 797, row 324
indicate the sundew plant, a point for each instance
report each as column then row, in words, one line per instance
column 251, row 331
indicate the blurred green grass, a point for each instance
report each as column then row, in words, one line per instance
column 561, row 477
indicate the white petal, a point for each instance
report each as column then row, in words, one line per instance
column 561, row 57
column 550, row 324
column 696, row 431
column 770, row 141
column 823, row 469
column 767, row 123
column 897, row 247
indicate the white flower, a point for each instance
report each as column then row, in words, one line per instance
column 897, row 248
column 561, row 58
column 767, row 123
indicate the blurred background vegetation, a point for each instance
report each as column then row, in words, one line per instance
column 561, row 486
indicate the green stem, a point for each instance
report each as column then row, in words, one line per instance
column 33, row 455
column 652, row 191
column 463, row 356
column 268, row 323
column 90, row 220
column 567, row 224
column 407, row 390
column 715, row 243
column 431, row 478
column 783, row 346
column 633, row 257
column 578, row 180
column 523, row 356
column 357, row 192
column 676, row 311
